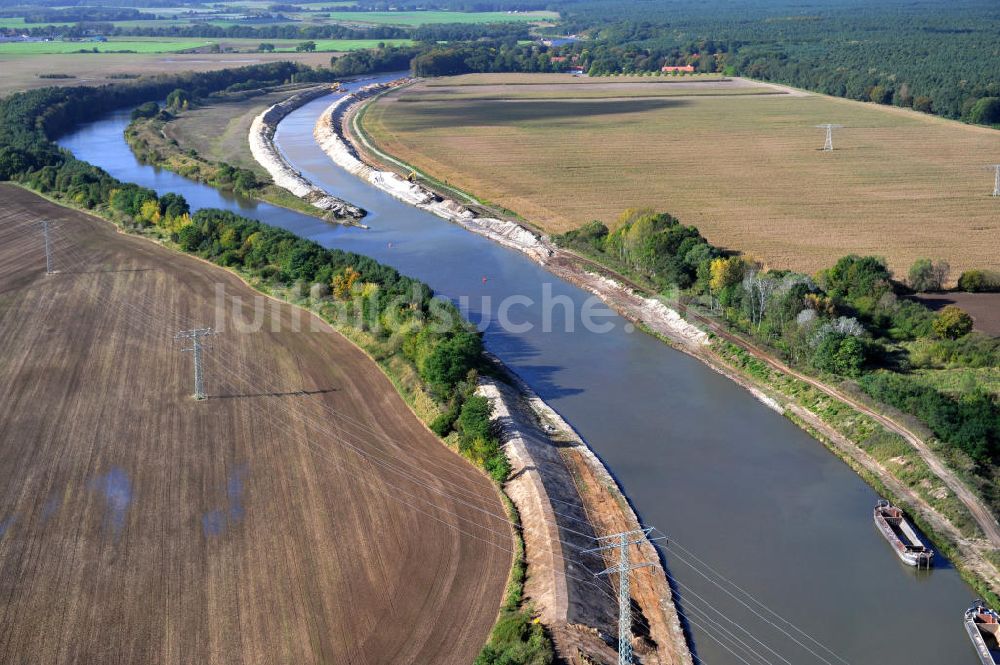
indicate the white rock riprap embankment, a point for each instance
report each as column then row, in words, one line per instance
column 328, row 133
column 330, row 136
column 284, row 175
column 551, row 465
column 654, row 314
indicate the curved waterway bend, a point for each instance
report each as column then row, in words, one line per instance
column 728, row 479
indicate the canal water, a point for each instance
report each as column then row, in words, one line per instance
column 776, row 523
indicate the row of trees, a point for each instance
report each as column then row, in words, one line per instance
column 372, row 61
column 29, row 119
column 654, row 245
column 483, row 56
column 852, row 320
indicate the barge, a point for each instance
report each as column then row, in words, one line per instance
column 893, row 524
column 983, row 626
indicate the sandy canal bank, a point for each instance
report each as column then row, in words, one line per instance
column 566, row 498
column 284, row 175
column 330, row 136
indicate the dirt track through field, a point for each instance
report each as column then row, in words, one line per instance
column 301, row 514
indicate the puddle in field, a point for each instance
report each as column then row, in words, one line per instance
column 216, row 521
column 117, row 491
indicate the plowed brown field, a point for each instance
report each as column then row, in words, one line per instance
column 300, row 514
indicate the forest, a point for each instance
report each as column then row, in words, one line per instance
column 924, row 55
column 932, row 58
column 939, row 58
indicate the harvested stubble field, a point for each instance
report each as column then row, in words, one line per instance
column 22, row 72
column 747, row 169
column 140, row 526
column 519, row 87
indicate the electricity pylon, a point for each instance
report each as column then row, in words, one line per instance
column 829, row 135
column 621, row 542
column 195, row 336
column 48, row 247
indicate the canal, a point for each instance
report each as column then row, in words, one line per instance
column 774, row 550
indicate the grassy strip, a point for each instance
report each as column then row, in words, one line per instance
column 517, row 637
column 147, row 138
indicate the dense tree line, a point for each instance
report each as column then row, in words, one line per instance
column 373, row 61
column 458, row 32
column 655, row 245
column 104, row 3
column 99, row 24
column 31, row 118
column 852, row 320
column 78, row 14
column 456, row 5
column 483, row 56
column 979, row 281
column 278, row 31
column 970, row 421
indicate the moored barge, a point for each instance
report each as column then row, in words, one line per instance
column 893, row 524
column 983, row 626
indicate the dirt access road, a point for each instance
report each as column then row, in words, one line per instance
column 300, row 514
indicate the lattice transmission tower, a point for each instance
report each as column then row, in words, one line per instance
column 195, row 336
column 622, row 542
column 48, row 247
column 828, row 146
